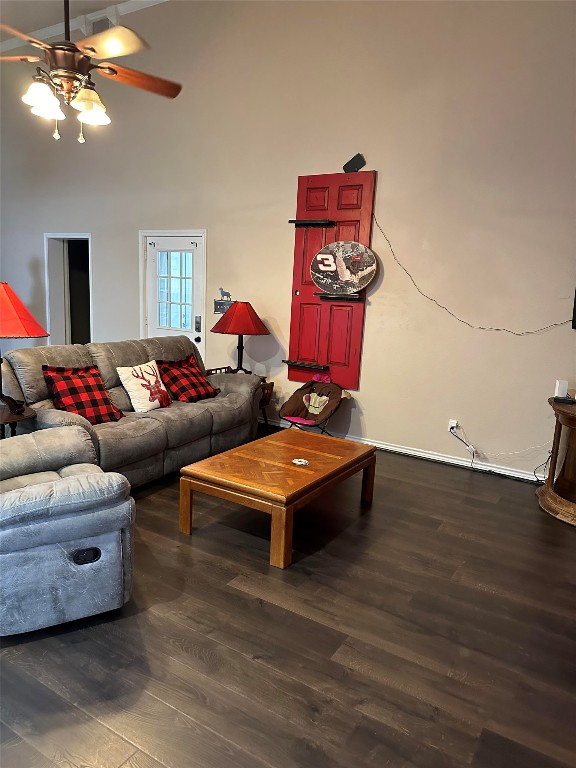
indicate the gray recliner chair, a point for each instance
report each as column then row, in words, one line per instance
column 65, row 531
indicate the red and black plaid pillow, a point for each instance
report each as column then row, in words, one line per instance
column 184, row 380
column 82, row 391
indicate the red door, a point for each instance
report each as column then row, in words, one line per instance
column 327, row 335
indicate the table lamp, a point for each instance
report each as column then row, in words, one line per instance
column 16, row 322
column 240, row 319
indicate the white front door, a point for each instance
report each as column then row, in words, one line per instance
column 175, row 291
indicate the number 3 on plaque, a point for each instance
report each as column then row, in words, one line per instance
column 326, row 263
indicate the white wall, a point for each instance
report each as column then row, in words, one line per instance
column 465, row 109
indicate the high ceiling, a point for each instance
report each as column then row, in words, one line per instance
column 33, row 16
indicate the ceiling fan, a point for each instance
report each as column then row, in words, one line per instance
column 70, row 65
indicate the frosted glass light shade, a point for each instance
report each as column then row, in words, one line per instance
column 50, row 111
column 38, row 94
column 86, row 100
column 94, row 116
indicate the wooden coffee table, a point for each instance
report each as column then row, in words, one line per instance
column 261, row 475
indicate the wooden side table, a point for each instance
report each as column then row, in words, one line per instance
column 558, row 494
column 267, row 389
column 7, row 418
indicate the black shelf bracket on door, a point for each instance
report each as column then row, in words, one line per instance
column 313, row 366
column 340, row 296
column 298, row 223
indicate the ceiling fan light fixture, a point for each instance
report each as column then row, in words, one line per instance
column 50, row 111
column 67, row 77
column 87, row 99
column 94, row 116
column 38, row 93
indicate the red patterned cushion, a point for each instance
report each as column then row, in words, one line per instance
column 184, row 380
column 82, row 391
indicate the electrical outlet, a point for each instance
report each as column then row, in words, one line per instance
column 452, row 424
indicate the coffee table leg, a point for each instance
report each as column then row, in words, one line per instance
column 281, row 537
column 368, row 481
column 185, row 506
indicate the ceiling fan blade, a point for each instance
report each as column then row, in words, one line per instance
column 24, row 36
column 116, row 41
column 139, row 79
column 30, row 59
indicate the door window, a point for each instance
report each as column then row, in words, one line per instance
column 174, row 288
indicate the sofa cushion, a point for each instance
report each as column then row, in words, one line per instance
column 22, row 481
column 176, row 458
column 80, row 469
column 46, row 450
column 132, row 439
column 144, row 470
column 109, row 356
column 27, row 366
column 172, row 348
column 144, row 386
column 185, row 381
column 82, row 391
column 47, row 476
column 230, row 412
column 184, row 422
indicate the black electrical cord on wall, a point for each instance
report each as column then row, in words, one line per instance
column 441, row 306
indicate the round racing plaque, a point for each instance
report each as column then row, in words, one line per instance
column 343, row 267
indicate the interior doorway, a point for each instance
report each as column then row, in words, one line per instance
column 68, row 288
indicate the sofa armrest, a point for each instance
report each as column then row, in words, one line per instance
column 45, row 450
column 47, row 417
column 243, row 383
column 67, row 510
column 10, row 384
column 67, row 497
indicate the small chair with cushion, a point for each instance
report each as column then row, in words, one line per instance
column 311, row 405
column 65, row 531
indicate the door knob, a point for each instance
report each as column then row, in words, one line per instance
column 197, row 339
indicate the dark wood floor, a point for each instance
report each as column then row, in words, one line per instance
column 437, row 630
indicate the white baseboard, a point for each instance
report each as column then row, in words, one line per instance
column 479, row 465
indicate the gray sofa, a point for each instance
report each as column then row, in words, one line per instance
column 142, row 446
column 65, row 531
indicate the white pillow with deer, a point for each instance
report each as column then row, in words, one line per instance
column 144, row 386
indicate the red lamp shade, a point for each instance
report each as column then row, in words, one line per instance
column 240, row 319
column 16, row 322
